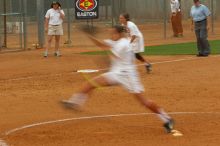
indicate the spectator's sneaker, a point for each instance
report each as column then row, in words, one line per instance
column 149, row 68
column 45, row 54
column 57, row 54
column 169, row 126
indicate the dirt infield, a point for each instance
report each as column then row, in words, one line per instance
column 32, row 86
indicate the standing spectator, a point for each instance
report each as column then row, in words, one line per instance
column 200, row 23
column 53, row 26
column 176, row 18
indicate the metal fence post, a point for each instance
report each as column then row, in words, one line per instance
column 40, row 20
column 21, row 26
column 165, row 19
column 68, row 23
column 106, row 11
column 212, row 15
column 113, row 13
column 5, row 24
column 24, row 14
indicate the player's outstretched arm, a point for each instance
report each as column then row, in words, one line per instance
column 99, row 43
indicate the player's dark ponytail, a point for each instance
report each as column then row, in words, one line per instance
column 126, row 16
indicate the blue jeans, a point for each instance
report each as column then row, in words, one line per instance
column 201, row 35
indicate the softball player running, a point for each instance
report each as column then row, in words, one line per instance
column 136, row 39
column 123, row 72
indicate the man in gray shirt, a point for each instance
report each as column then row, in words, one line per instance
column 200, row 14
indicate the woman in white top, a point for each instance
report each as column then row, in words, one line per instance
column 200, row 24
column 136, row 39
column 123, row 72
column 53, row 26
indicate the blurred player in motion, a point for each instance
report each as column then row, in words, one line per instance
column 122, row 72
column 136, row 39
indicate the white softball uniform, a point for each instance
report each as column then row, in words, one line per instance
column 138, row 43
column 123, row 70
column 55, row 22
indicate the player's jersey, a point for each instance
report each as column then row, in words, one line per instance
column 138, row 44
column 123, row 56
column 133, row 29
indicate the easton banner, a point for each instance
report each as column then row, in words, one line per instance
column 87, row 9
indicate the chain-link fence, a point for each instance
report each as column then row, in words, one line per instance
column 22, row 21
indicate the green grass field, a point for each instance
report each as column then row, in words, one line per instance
column 172, row 49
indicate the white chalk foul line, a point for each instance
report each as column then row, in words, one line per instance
column 96, row 117
column 105, row 69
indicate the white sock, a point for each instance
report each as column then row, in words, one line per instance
column 79, row 98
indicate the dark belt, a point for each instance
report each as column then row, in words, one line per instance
column 55, row 25
column 200, row 21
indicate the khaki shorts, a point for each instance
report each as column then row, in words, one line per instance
column 55, row 30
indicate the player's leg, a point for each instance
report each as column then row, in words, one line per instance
column 49, row 41
column 139, row 57
column 147, row 64
column 199, row 44
column 204, row 40
column 78, row 99
column 167, row 120
column 139, row 47
column 133, row 84
column 97, row 82
column 57, row 45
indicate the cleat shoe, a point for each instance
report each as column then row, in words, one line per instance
column 45, row 54
column 149, row 68
column 169, row 126
column 70, row 104
column 76, row 101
